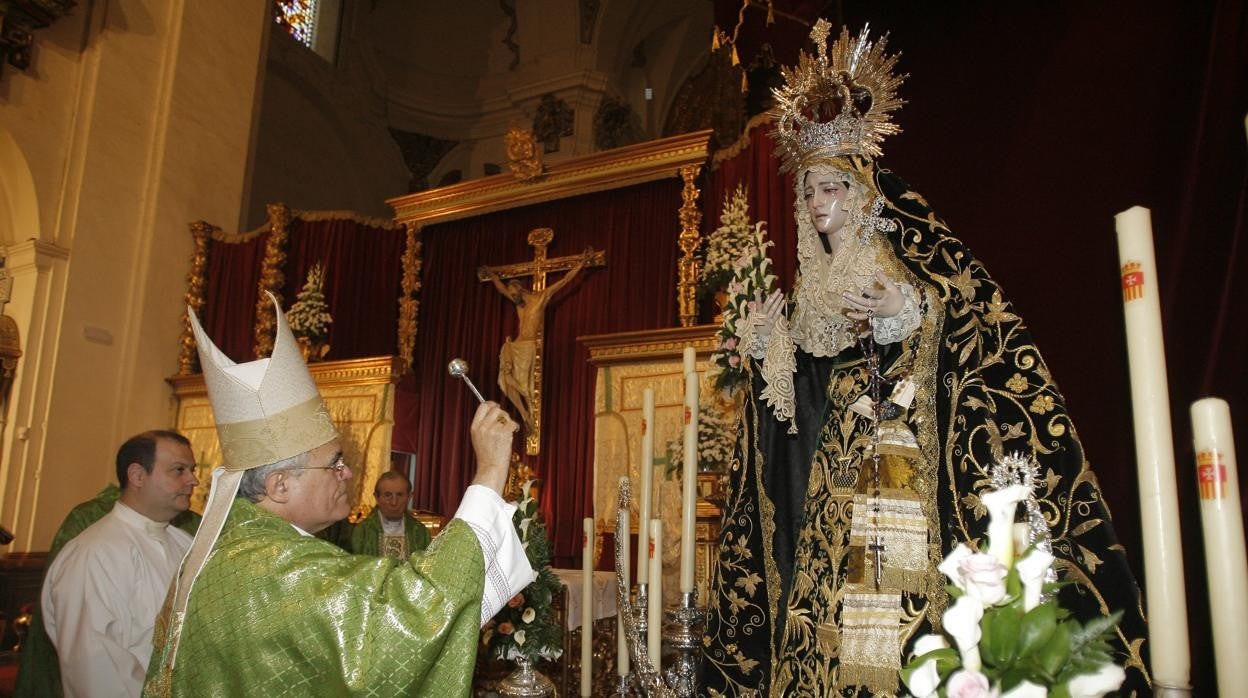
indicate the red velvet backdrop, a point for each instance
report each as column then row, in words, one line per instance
column 363, row 274
column 231, row 277
column 462, row 317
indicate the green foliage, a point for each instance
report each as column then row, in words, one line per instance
column 525, row 626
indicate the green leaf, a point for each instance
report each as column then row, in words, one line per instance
column 999, row 643
column 1036, row 628
column 1013, row 583
column 1089, row 645
column 1053, row 655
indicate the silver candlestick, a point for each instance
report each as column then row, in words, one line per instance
column 684, row 634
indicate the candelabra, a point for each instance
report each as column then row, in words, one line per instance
column 683, row 631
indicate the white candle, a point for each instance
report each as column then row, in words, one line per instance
column 645, row 499
column 1225, row 560
column 621, row 649
column 654, row 614
column 691, row 360
column 689, row 492
column 587, row 603
column 1154, row 452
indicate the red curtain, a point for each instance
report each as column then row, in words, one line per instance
column 363, row 275
column 231, row 283
column 462, row 317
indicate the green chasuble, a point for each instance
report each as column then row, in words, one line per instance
column 277, row 613
column 39, row 675
column 366, row 538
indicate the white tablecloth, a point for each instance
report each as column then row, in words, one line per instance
column 601, row 606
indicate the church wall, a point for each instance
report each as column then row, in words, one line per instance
column 135, row 118
column 321, row 139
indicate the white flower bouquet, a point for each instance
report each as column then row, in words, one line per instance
column 309, row 315
column 1010, row 639
column 726, row 244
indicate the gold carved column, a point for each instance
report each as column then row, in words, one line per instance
column 689, row 241
column 188, row 359
column 272, row 278
column 409, row 302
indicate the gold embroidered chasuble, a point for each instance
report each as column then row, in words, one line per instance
column 277, row 613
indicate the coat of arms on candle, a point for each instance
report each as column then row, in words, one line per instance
column 1132, row 282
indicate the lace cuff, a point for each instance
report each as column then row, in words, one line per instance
column 750, row 340
column 893, row 329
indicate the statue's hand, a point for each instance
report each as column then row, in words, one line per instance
column 882, row 300
column 763, row 314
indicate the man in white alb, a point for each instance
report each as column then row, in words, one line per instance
column 104, row 590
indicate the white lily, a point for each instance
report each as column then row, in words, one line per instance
column 1001, row 505
column 924, row 680
column 1027, row 689
column 962, row 622
column 1107, row 679
column 1032, row 569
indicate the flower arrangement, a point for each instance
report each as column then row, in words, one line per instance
column 751, row 279
column 1010, row 637
column 309, row 315
column 716, row 429
column 525, row 627
column 726, row 244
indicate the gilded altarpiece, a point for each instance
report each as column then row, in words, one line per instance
column 359, row 394
column 627, row 364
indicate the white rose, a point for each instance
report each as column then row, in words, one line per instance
column 528, row 615
column 983, row 577
column 1001, row 505
column 519, row 636
column 924, row 679
column 949, row 566
column 1032, row 570
column 1027, row 689
column 962, row 622
column 1106, row 680
column 969, row 684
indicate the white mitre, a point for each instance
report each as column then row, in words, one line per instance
column 266, row 410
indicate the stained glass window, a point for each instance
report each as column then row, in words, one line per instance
column 299, row 18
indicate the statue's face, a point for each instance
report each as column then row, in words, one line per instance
column 825, row 195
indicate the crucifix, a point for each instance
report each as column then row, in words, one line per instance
column 520, row 360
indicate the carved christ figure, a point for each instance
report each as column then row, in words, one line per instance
column 515, row 365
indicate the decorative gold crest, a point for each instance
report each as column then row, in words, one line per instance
column 839, row 103
column 523, row 157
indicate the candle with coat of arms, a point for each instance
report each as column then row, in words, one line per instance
column 654, row 617
column 1225, row 560
column 1154, row 453
column 647, row 475
column 689, row 481
column 587, row 607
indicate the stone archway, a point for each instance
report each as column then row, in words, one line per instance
column 19, row 206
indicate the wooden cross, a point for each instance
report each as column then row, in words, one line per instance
column 520, row 361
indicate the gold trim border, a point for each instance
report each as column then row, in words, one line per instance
column 610, row 169
column 644, row 345
column 374, row 370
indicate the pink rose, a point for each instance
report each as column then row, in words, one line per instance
column 969, row 684
column 731, row 343
column 505, row 628
column 516, row 601
column 734, row 360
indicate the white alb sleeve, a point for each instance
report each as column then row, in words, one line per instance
column 507, row 569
